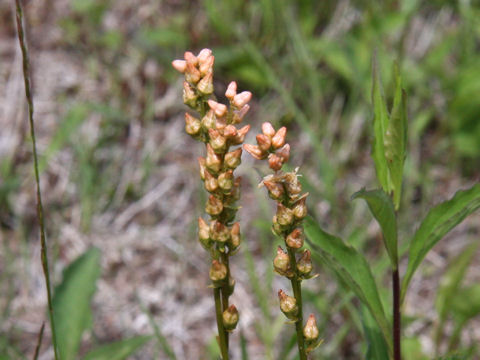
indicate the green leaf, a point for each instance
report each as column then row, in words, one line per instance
column 376, row 346
column 352, row 268
column 439, row 221
column 71, row 302
column 381, row 207
column 466, row 303
column 380, row 125
column 395, row 139
column 118, row 350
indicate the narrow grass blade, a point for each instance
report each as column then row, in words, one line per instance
column 376, row 346
column 118, row 350
column 39, row 342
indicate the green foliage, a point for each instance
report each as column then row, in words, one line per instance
column 377, row 348
column 118, row 350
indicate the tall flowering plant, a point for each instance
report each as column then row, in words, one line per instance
column 215, row 124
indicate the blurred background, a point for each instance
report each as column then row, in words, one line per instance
column 119, row 173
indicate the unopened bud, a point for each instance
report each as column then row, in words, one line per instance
column 278, row 140
column 208, row 121
column 275, row 162
column 192, row 125
column 288, row 305
column 242, row 99
column 214, row 206
column 292, row 184
column 219, row 232
column 304, row 264
column 219, row 109
column 276, row 227
column 275, row 189
column 201, row 162
column 238, row 115
column 213, row 161
column 295, row 239
column 284, row 215
column 179, row 65
column 264, row 142
column 205, row 86
column 217, row 141
column 300, row 208
column 225, row 180
column 206, row 66
column 255, row 151
column 240, row 137
column 230, row 318
column 218, row 272
column 281, row 262
column 284, row 153
column 192, row 74
column 189, row 96
column 231, row 90
column 203, row 55
column 233, row 158
column 204, row 233
column 211, row 183
column 230, row 132
column 190, row 58
column 310, row 331
column 235, row 238
column 268, row 129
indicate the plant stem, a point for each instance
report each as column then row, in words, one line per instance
column 397, row 342
column 225, row 290
column 297, row 293
column 43, row 242
column 222, row 338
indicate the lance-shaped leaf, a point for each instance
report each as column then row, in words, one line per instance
column 376, row 346
column 395, row 139
column 118, row 350
column 381, row 207
column 380, row 125
column 439, row 221
column 352, row 268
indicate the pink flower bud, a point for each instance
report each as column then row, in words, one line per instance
column 179, row 65
column 231, row 90
column 263, row 142
column 189, row 96
column 238, row 115
column 219, row 232
column 240, row 137
column 292, row 184
column 225, row 180
column 276, row 227
column 211, row 183
column 208, row 121
column 217, row 141
column 278, row 140
column 281, row 263
column 205, row 85
column 214, row 206
column 304, row 264
column 206, row 65
column 203, row 55
column 242, row 99
column 254, row 151
column 204, row 233
column 233, row 158
column 284, row 215
column 213, row 161
column 268, row 129
column 284, row 153
column 288, row 305
column 192, row 125
column 192, row 74
column 275, row 162
column 201, row 162
column 190, row 58
column 218, row 273
column 219, row 109
column 310, row 331
column 235, row 238
column 230, row 318
column 300, row 207
column 295, row 239
column 230, row 132
column 275, row 190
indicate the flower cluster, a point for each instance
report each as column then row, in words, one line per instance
column 215, row 124
column 286, row 190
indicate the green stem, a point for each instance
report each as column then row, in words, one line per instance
column 297, row 293
column 397, row 329
column 43, row 242
column 226, row 290
column 222, row 338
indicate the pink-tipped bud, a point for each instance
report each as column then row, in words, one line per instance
column 192, row 125
column 241, row 133
column 219, row 232
column 281, row 263
column 179, row 65
column 218, row 273
column 225, row 180
column 263, row 142
column 192, row 74
column 213, row 162
column 219, row 109
column 230, row 132
column 231, row 90
column 238, row 115
column 235, row 237
column 214, row 206
column 217, row 141
column 204, row 233
column 211, row 183
column 242, row 99
column 201, row 162
column 304, row 264
column 205, row 86
column 300, row 208
column 189, row 96
column 255, row 151
column 205, row 62
column 276, row 227
column 268, row 129
column 275, row 190
column 203, row 55
column 230, row 318
column 284, row 153
column 288, row 305
column 295, row 239
column 190, row 58
column 278, row 140
column 284, row 215
column 275, row 162
column 233, row 158
column 208, row 121
column 292, row 184
column 310, row 331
